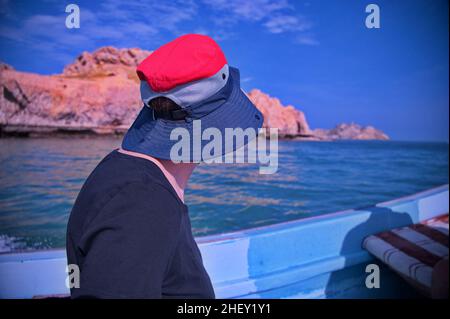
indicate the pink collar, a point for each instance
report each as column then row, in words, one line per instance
column 167, row 174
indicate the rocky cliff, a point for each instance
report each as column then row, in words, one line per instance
column 99, row 93
column 290, row 121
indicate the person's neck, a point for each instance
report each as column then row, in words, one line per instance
column 176, row 173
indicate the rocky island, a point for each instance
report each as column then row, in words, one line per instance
column 99, row 94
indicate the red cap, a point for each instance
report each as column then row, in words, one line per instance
column 188, row 58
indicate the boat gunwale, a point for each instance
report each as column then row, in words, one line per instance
column 282, row 225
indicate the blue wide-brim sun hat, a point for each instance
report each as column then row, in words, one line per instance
column 191, row 71
column 151, row 136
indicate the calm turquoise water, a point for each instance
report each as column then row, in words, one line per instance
column 40, row 178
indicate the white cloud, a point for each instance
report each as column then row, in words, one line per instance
column 254, row 10
column 276, row 16
column 306, row 39
column 285, row 23
column 136, row 23
column 156, row 14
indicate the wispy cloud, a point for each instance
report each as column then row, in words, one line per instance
column 306, row 39
column 123, row 23
column 116, row 20
column 255, row 10
column 156, row 14
column 275, row 16
column 286, row 23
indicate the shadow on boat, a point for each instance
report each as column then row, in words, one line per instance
column 354, row 275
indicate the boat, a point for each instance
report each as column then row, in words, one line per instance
column 317, row 257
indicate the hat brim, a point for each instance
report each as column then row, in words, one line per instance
column 152, row 136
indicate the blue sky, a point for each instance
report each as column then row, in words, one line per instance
column 316, row 55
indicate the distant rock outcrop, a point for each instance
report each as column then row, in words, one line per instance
column 99, row 93
column 351, row 131
column 292, row 122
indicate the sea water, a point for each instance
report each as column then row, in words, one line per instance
column 41, row 177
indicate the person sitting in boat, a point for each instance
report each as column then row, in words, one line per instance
column 129, row 231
